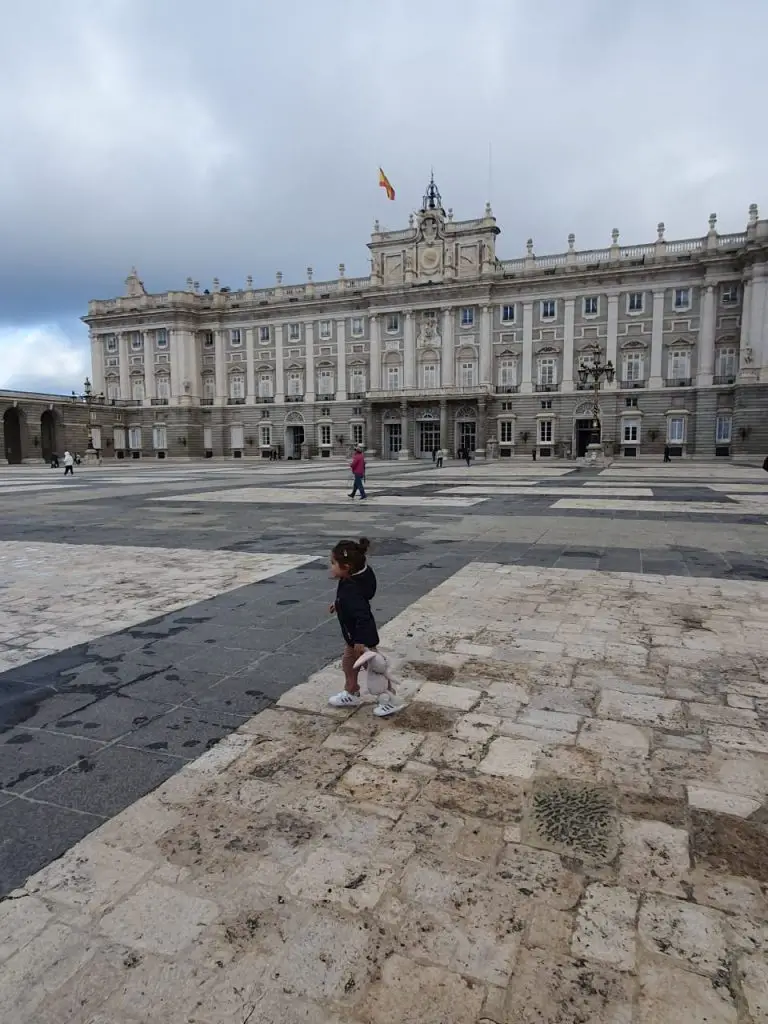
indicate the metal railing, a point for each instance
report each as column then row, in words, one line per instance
column 629, row 385
column 678, row 382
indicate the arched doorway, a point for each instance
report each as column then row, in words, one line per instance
column 585, row 428
column 12, row 434
column 48, row 440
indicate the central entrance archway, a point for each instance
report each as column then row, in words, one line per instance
column 12, row 435
column 48, row 439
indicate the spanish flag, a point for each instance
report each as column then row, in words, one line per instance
column 384, row 183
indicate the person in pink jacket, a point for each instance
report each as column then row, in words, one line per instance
column 357, row 465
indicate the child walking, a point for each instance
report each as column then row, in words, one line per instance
column 354, row 593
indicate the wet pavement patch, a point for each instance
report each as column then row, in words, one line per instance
column 730, row 844
column 573, row 819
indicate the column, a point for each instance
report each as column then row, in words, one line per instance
column 447, row 360
column 481, row 427
column 444, row 423
column 368, row 439
column 97, row 365
column 250, row 366
column 221, row 368
column 486, row 348
column 611, row 344
column 409, row 355
column 404, row 452
column 375, row 355
column 195, row 379
column 309, row 350
column 758, row 317
column 341, row 360
column 125, row 370
column 279, row 366
column 657, row 340
column 568, row 332
column 706, row 346
column 526, row 385
column 149, row 364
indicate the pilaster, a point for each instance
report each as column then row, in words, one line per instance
column 97, row 364
column 221, row 368
column 375, row 355
column 706, row 346
column 309, row 350
column 443, row 422
column 125, row 370
column 404, row 452
column 485, row 345
column 250, row 366
column 568, row 332
column 279, row 366
column 149, row 365
column 447, row 361
column 526, row 385
column 612, row 339
column 409, row 354
column 657, row 341
column 341, row 360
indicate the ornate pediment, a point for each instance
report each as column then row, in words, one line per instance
column 633, row 344
column 547, row 350
column 428, row 335
column 294, row 417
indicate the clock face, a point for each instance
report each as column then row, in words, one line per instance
column 429, row 259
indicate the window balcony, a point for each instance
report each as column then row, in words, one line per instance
column 540, row 388
column 294, row 398
column 235, row 401
column 356, row 396
column 326, row 398
column 158, row 401
column 629, row 385
column 206, row 401
column 507, row 389
column 729, row 378
column 414, row 393
column 266, row 400
column 677, row 382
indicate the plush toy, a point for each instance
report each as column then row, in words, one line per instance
column 375, row 674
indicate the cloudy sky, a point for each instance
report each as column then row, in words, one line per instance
column 244, row 137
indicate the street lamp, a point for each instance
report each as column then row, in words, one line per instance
column 594, row 372
column 88, row 397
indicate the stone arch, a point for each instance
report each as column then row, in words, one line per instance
column 50, row 432
column 585, row 411
column 15, row 434
column 466, row 412
column 294, row 419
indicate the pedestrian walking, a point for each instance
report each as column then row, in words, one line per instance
column 439, row 458
column 467, row 455
column 352, row 606
column 69, row 464
column 765, row 464
column 357, row 465
column 434, row 455
column 667, row 456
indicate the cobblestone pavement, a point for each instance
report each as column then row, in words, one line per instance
column 567, row 823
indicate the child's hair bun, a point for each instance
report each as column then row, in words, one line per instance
column 364, row 544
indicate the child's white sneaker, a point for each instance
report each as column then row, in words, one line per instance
column 345, row 700
column 386, row 706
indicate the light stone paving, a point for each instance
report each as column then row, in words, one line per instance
column 554, row 492
column 606, row 865
column 317, row 496
column 54, row 596
column 745, row 506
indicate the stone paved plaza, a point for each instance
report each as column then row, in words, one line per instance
column 567, row 824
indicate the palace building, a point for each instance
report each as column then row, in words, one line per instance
column 447, row 344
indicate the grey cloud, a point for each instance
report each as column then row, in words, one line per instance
column 237, row 138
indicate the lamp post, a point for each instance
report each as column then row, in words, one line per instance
column 594, row 372
column 89, row 399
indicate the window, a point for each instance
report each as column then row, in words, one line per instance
column 676, row 429
column 429, row 377
column 635, row 302
column 236, row 438
column 137, row 342
column 507, row 314
column 325, row 383
column 357, row 381
column 631, row 430
column 729, row 295
column 265, row 435
column 265, row 385
column 137, row 391
column 546, row 403
column 234, row 337
column 163, row 387
column 325, row 329
column 113, row 361
column 113, row 391
column 631, row 403
column 393, row 378
column 726, row 362
column 111, row 343
column 723, row 425
column 507, row 373
column 678, row 365
column 633, row 366
column 467, row 374
column 506, row 406
column 325, row 411
column 467, row 316
column 236, row 385
column 548, row 309
column 265, row 414
column 325, row 433
column 545, row 431
column 357, row 327
column 159, row 437
column 209, row 388
column 591, row 305
column 118, row 438
column 357, row 410
column 294, row 332
column 682, row 298
column 265, row 334
column 208, row 339
column 393, row 323
column 357, row 433
column 546, row 371
column 295, row 383
column 161, row 338
column 134, row 438
column 507, row 431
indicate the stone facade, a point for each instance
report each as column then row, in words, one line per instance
column 35, row 426
column 444, row 344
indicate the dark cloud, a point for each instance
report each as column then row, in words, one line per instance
column 240, row 138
